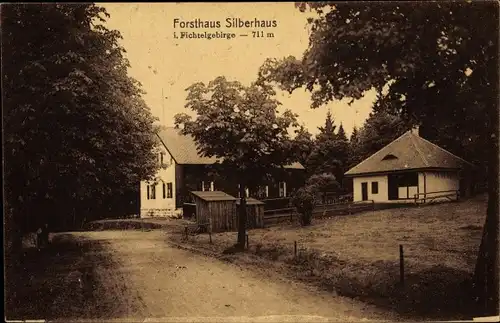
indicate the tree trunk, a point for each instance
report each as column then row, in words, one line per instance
column 242, row 218
column 486, row 272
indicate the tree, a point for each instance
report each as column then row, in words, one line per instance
column 77, row 132
column 241, row 126
column 303, row 144
column 328, row 131
column 379, row 130
column 343, row 153
column 354, row 153
column 329, row 154
column 341, row 133
column 440, row 69
column 322, row 184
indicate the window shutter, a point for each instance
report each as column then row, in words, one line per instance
column 163, row 190
column 148, row 190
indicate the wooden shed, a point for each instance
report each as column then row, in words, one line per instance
column 215, row 207
column 255, row 213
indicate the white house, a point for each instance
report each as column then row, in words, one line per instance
column 183, row 170
column 410, row 169
column 157, row 198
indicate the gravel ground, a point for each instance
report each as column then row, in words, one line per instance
column 136, row 276
column 167, row 282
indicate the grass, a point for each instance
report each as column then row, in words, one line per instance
column 38, row 284
column 358, row 255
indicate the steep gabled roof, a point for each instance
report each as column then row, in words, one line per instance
column 183, row 149
column 409, row 151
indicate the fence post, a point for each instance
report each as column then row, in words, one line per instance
column 373, row 205
column 349, row 208
column 401, row 266
column 246, row 236
column 210, row 229
column 186, row 231
column 295, row 248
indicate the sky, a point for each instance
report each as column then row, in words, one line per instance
column 164, row 64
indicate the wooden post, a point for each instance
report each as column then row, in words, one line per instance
column 401, row 266
column 349, row 208
column 246, row 236
column 186, row 231
column 295, row 248
column 210, row 230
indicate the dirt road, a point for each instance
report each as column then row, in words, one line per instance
column 145, row 278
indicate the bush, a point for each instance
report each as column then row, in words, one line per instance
column 304, row 200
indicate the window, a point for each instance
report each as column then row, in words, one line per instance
column 282, row 189
column 374, row 187
column 169, row 190
column 153, row 192
column 408, row 179
column 247, row 191
column 389, row 157
column 263, row 191
column 163, row 190
column 207, row 186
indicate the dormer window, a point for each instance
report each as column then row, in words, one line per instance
column 389, row 157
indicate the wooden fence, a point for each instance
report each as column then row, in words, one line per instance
column 438, row 196
column 275, row 216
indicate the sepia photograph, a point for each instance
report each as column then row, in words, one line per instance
column 251, row 162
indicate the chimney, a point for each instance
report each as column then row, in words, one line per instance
column 415, row 130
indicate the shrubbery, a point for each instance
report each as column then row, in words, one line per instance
column 304, row 200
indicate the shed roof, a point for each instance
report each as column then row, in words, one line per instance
column 213, row 196
column 409, row 151
column 251, row 201
column 184, row 150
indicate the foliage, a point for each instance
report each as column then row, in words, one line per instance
column 241, row 126
column 330, row 151
column 379, row 129
column 303, row 144
column 324, row 182
column 304, row 201
column 77, row 133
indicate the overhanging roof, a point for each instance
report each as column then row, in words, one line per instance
column 407, row 152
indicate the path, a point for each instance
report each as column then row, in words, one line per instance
column 145, row 278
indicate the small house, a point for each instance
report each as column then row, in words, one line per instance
column 255, row 213
column 216, row 208
column 410, row 169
